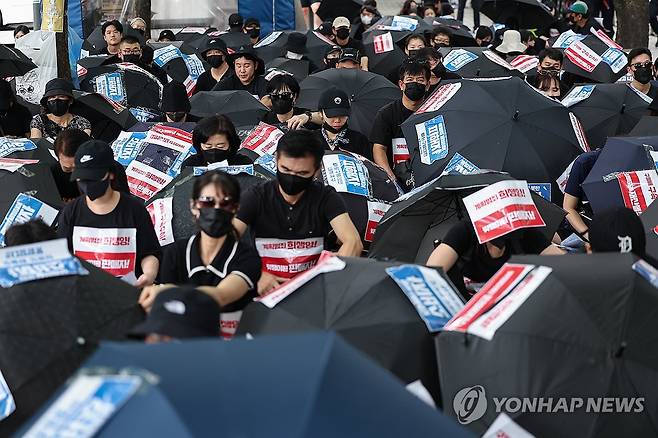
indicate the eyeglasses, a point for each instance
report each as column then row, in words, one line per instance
column 212, row 202
column 645, row 64
column 549, row 72
column 282, row 95
column 132, row 52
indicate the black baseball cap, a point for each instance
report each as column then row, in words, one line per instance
column 334, row 102
column 235, row 20
column 181, row 312
column 349, row 54
column 215, row 43
column 617, row 230
column 332, row 49
column 93, row 159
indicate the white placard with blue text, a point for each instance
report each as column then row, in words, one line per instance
column 542, row 189
column 432, row 140
column 7, row 404
column 460, row 165
column 346, row 174
column 127, row 146
column 26, row 208
column 458, row 58
column 10, row 145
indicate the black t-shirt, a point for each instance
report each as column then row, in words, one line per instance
column 653, row 91
column 69, row 189
column 257, row 87
column 197, row 160
column 290, row 238
column 182, row 265
column 585, row 30
column 475, row 262
column 207, row 82
column 350, row 141
column 352, row 44
column 16, row 123
column 117, row 241
column 387, row 130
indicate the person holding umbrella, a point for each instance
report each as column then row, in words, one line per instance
column 367, row 17
column 389, row 146
column 14, row 117
column 112, row 32
column 109, row 229
column 640, row 66
column 439, row 72
column 215, row 53
column 55, row 116
column 574, row 194
column 252, row 28
column 334, row 134
column 291, row 217
column 247, row 74
column 341, row 29
column 175, row 104
column 215, row 140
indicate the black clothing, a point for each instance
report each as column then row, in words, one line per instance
column 386, row 129
column 257, row 87
column 197, row 160
column 206, row 82
column 350, row 141
column 16, row 123
column 69, row 189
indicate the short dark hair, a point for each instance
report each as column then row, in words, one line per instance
column 483, row 32
column 551, row 53
column 442, row 30
column 117, row 25
column 301, row 143
column 634, row 53
column 222, row 180
column 22, row 28
column 414, row 36
column 68, row 141
column 413, row 67
column 429, row 52
column 130, row 39
column 283, row 80
column 213, row 125
column 29, row 232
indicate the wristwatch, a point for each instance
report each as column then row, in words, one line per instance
column 309, row 115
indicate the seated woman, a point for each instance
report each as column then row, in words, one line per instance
column 460, row 255
column 283, row 91
column 55, row 116
column 215, row 259
column 247, row 74
column 215, row 140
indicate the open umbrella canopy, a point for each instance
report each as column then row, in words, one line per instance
column 594, row 60
column 384, row 50
column 107, row 117
column 298, row 68
column 518, row 14
column 477, row 62
column 412, row 226
column 180, row 63
column 274, row 46
column 606, row 110
column 368, row 92
column 339, row 8
column 501, row 124
column 602, row 327
column 650, row 222
column 316, row 385
column 646, row 126
column 35, row 180
column 14, row 63
column 49, row 327
column 125, row 84
column 461, row 34
column 239, row 106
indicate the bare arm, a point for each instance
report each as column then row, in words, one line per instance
column 570, row 205
column 88, row 132
column 35, row 133
column 347, row 235
column 228, row 291
column 380, row 157
column 150, row 265
column 552, row 250
column 443, row 257
column 364, row 63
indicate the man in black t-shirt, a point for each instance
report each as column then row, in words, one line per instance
column 109, row 229
column 247, row 74
column 112, row 32
column 291, row 217
column 389, row 144
column 341, row 29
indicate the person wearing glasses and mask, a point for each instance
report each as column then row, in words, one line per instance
column 640, row 66
column 131, row 51
column 55, row 116
column 215, row 53
column 215, row 260
column 283, row 91
column 252, row 28
column 434, row 61
column 215, row 140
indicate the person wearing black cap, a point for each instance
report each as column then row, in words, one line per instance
column 55, row 115
column 334, row 134
column 296, row 49
column 175, row 104
column 215, row 259
column 65, row 146
column 247, row 74
column 349, row 58
column 252, row 28
column 179, row 313
column 110, row 229
column 215, row 53
column 166, row 36
column 14, row 117
column 331, row 56
column 215, row 140
column 112, row 32
column 326, row 29
column 235, row 23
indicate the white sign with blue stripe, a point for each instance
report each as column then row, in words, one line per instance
column 26, row 208
column 127, row 146
column 346, row 174
column 432, row 140
column 542, row 189
column 7, row 404
column 10, row 145
column 233, row 170
column 458, row 58
column 460, row 165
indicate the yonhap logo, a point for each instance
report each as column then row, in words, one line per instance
column 470, row 404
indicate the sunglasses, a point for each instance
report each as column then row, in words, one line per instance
column 212, row 202
column 282, row 95
column 642, row 64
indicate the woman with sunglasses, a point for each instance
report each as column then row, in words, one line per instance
column 214, row 260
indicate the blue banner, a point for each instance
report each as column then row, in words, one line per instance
column 542, row 189
column 26, row 208
column 435, row 300
column 10, row 145
column 127, row 146
column 7, row 404
column 165, row 54
column 268, row 162
column 432, row 140
column 459, row 165
column 458, row 58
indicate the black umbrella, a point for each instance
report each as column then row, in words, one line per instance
column 503, row 125
column 177, row 68
column 649, row 219
column 316, row 46
column 126, row 84
column 339, row 8
column 366, row 307
column 368, row 93
column 477, row 62
column 461, row 34
column 519, row 14
column 620, row 154
column 32, row 179
column 14, row 63
column 647, row 126
column 44, row 152
column 298, row 68
column 234, row 40
column 84, row 64
column 107, row 118
column 239, row 106
column 384, row 49
column 274, row 46
column 593, row 60
column 411, row 227
column 180, row 189
column 608, row 110
column 188, row 34
column 593, row 312
column 146, row 126
column 48, row 328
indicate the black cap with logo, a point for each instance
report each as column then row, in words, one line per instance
column 93, row 159
column 334, row 102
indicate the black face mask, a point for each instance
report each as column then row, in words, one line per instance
column 134, row 59
column 331, row 63
column 343, row 33
column 215, row 61
column 281, row 105
column 215, row 222
column 58, row 107
column 93, row 189
column 439, row 70
column 177, row 116
column 141, row 31
column 643, row 75
column 327, row 127
column 413, row 53
column 254, row 33
column 215, row 155
column 292, row 184
column 414, row 91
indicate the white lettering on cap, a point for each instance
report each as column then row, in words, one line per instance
column 86, row 158
column 177, row 307
column 625, row 244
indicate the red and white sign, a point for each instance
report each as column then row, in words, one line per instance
column 400, row 150
column 383, row 43
column 112, row 249
column 580, row 132
column 497, row 59
column 161, row 211
column 638, row 189
column 13, row 164
column 287, row 258
column 524, row 63
column 376, row 211
column 501, row 208
column 145, row 181
column 168, row 136
column 263, row 139
column 328, row 262
column 493, row 291
column 564, row 178
column 582, row 56
column 228, row 323
column 605, row 38
column 440, row 96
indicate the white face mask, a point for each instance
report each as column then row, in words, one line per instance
column 366, row 19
